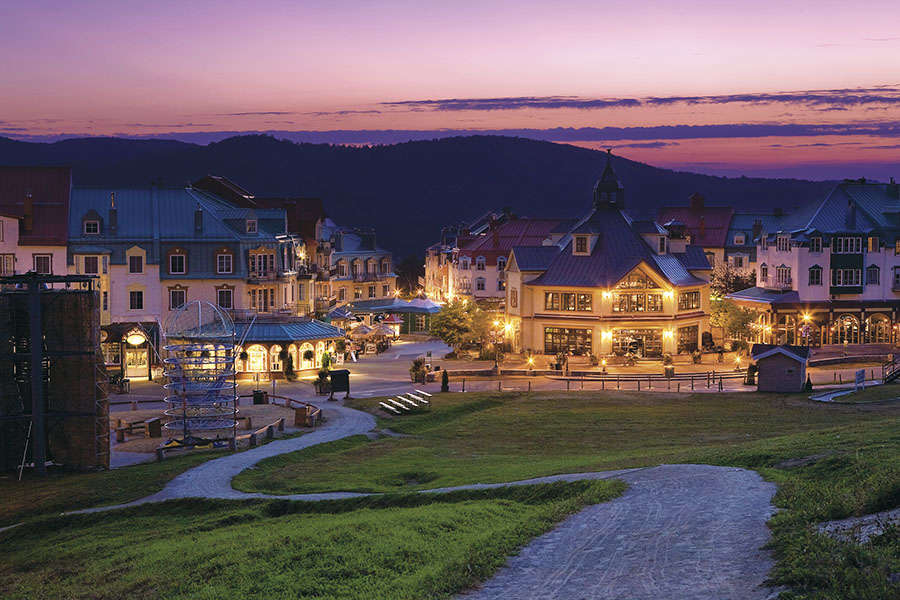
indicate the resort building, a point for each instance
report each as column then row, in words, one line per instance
column 830, row 273
column 270, row 339
column 154, row 249
column 351, row 267
column 608, row 285
column 440, row 258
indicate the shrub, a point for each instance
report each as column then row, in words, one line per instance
column 417, row 370
column 309, row 355
column 751, row 374
column 283, row 355
column 667, row 359
column 696, row 357
column 243, row 355
column 289, row 372
column 594, row 360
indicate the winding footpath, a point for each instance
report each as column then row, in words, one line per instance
column 679, row 531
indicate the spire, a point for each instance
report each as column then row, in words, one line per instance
column 608, row 192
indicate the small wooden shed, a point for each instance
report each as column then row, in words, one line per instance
column 782, row 368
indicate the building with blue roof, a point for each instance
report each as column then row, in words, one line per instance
column 153, row 249
column 829, row 273
column 609, row 285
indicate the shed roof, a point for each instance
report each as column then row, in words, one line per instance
column 798, row 353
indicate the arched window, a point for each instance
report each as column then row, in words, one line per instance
column 501, row 263
column 257, row 359
column 845, row 329
column 307, row 356
column 873, row 275
column 320, row 350
column 763, row 272
column 275, row 361
column 878, row 329
column 464, row 263
column 479, row 263
column 815, row 275
column 479, row 284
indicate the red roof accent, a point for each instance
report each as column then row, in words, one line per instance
column 708, row 226
column 393, row 319
column 515, row 232
column 50, row 189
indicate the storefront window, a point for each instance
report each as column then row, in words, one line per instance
column 641, row 342
column 564, row 339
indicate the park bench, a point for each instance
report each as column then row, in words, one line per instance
column 407, row 402
column 151, row 428
column 389, row 408
column 397, row 404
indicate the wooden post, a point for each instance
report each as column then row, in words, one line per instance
column 567, row 385
column 678, row 383
column 692, row 383
column 464, row 384
column 618, row 382
column 639, row 384
column 529, row 386
column 649, row 383
column 720, row 383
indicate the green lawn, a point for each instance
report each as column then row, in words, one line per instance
column 412, row 546
column 70, row 491
column 503, row 437
column 830, row 461
column 875, row 393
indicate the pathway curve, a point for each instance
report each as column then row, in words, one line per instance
column 679, row 531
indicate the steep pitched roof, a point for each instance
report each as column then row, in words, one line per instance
column 617, row 251
column 534, row 258
column 49, row 189
column 798, row 353
column 290, row 331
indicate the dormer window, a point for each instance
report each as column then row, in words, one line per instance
column 815, row 244
column 581, row 244
column 739, row 239
column 92, row 227
column 783, row 243
column 251, row 226
column 662, row 244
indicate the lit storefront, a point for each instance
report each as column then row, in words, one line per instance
column 129, row 349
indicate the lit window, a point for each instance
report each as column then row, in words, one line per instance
column 371, row 291
column 581, row 244
column 251, row 225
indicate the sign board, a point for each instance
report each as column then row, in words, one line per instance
column 340, row 381
column 860, row 379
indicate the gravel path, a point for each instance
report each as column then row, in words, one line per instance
column 680, row 531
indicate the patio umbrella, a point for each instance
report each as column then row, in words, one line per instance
column 361, row 332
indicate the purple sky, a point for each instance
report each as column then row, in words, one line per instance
column 811, row 89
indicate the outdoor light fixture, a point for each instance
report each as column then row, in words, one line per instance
column 606, row 294
column 806, row 316
column 496, row 323
column 135, row 338
column 603, row 362
column 668, row 333
column 508, row 327
column 668, row 294
column 530, row 361
column 606, row 335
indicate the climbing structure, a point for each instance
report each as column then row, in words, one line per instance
column 201, row 389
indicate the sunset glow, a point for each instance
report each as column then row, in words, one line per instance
column 805, row 77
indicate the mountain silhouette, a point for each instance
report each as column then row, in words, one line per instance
column 407, row 191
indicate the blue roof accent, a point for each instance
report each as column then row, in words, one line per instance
column 290, row 331
column 693, row 258
column 764, row 296
column 534, row 258
column 618, row 250
column 90, row 250
column 395, row 305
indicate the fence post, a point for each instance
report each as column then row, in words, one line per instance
column 840, row 378
column 720, row 383
column 639, row 384
column 602, row 384
column 582, row 382
column 678, row 384
column 707, row 380
column 668, row 385
column 692, row 383
column 618, row 382
column 464, row 384
column 499, row 385
column 567, row 385
column 529, row 386
column 649, row 383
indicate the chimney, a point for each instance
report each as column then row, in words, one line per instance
column 113, row 213
column 702, row 226
column 27, row 213
column 198, row 220
column 697, row 201
column 893, row 190
column 757, row 229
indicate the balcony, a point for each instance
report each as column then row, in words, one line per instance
column 776, row 283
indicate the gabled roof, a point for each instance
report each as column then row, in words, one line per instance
column 534, row 258
column 520, row 231
column 854, row 206
column 617, row 250
column 50, row 188
column 798, row 353
column 708, row 226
